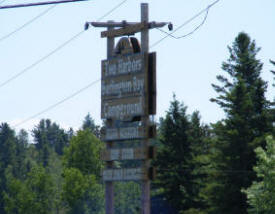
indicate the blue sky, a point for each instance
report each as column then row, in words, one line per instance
column 186, row 67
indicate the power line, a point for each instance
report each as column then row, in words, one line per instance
column 77, row 92
column 39, row 4
column 188, row 34
column 58, row 103
column 41, row 59
column 187, row 22
column 112, row 10
column 27, row 23
column 56, row 49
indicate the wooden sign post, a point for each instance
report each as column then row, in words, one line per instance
column 128, row 93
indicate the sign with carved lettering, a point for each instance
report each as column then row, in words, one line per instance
column 128, row 93
column 125, row 154
column 126, row 133
column 123, row 65
column 128, row 86
column 123, row 109
column 130, row 174
column 123, row 86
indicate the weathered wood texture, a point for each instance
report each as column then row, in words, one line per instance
column 122, row 131
column 128, row 30
column 125, row 154
column 126, row 133
column 152, row 83
column 123, row 109
column 123, row 65
column 128, row 87
column 130, row 174
column 145, row 186
column 109, row 189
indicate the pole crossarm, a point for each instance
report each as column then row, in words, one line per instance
column 125, row 28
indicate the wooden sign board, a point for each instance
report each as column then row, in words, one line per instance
column 125, row 154
column 130, row 174
column 126, row 133
column 123, row 65
column 123, row 86
column 128, row 86
column 128, row 30
column 123, row 109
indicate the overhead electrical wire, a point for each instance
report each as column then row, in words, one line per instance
column 58, row 103
column 39, row 4
column 56, row 49
column 185, row 23
column 93, row 83
column 188, row 34
column 78, row 91
column 112, row 10
column 41, row 59
column 27, row 23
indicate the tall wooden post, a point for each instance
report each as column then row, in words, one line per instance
column 109, row 189
column 145, row 197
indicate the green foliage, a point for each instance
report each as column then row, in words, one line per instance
column 261, row 194
column 242, row 97
column 84, row 153
column 89, row 124
column 74, row 187
column 127, row 197
column 182, row 140
column 8, row 144
column 82, row 165
column 273, row 72
column 34, row 195
column 49, row 136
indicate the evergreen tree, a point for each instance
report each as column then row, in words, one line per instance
column 21, row 154
column 199, row 137
column 7, row 158
column 272, row 111
column 89, row 124
column 261, row 194
column 273, row 72
column 49, row 137
column 174, row 157
column 242, row 97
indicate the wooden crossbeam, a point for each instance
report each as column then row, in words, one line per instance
column 125, row 28
column 128, row 30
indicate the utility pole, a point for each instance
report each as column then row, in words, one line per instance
column 128, row 93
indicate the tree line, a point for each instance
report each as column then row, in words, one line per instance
column 226, row 167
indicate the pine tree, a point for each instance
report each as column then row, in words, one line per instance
column 89, row 124
column 49, row 137
column 7, row 158
column 199, row 137
column 273, row 72
column 242, row 97
column 173, row 159
column 261, row 194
